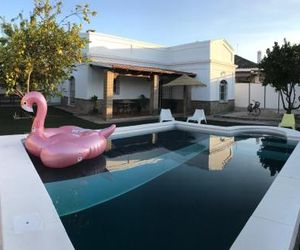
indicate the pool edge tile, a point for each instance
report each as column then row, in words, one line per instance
column 263, row 234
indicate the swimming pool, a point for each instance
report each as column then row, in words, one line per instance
column 169, row 190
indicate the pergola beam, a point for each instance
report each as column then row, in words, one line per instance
column 133, row 75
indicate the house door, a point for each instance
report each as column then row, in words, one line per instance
column 72, row 91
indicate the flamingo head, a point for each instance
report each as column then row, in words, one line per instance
column 30, row 98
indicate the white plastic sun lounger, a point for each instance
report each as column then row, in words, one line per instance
column 198, row 116
column 165, row 115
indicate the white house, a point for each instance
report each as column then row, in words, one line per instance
column 121, row 70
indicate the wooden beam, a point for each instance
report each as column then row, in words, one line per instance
column 133, row 75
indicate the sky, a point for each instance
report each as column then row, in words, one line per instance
column 248, row 26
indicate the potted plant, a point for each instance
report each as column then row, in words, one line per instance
column 94, row 100
column 141, row 103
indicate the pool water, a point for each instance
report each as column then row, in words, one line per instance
column 171, row 190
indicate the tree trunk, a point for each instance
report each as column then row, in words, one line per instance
column 290, row 97
column 282, row 100
column 28, row 80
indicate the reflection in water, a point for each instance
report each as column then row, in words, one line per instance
column 74, row 195
column 219, row 153
column 128, row 153
column 273, row 153
column 84, row 168
column 108, row 145
column 136, row 151
column 135, row 157
column 154, row 138
column 120, row 155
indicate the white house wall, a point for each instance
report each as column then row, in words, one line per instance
column 118, row 49
column 202, row 93
column 212, row 61
column 222, row 68
column 96, row 82
column 186, row 54
column 194, row 58
column 221, row 51
column 112, row 48
column 202, row 70
column 133, row 88
column 81, row 76
column 130, row 87
column 219, row 72
column 208, row 59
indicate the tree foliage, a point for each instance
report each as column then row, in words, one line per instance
column 281, row 69
column 39, row 52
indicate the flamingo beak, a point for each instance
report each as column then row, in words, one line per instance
column 27, row 108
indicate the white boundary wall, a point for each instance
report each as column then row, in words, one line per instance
column 266, row 95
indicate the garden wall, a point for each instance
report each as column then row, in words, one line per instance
column 266, row 95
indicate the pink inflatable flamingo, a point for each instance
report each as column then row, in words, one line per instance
column 64, row 146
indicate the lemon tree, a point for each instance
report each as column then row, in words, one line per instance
column 39, row 52
column 281, row 69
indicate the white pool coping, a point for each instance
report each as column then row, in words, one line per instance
column 29, row 220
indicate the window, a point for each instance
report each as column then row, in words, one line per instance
column 223, row 90
column 117, row 86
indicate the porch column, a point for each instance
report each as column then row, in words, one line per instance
column 154, row 95
column 108, row 93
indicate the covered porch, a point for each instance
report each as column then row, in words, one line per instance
column 131, row 103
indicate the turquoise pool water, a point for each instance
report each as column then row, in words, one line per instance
column 171, row 190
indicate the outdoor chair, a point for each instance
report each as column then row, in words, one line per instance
column 198, row 116
column 165, row 115
column 288, row 120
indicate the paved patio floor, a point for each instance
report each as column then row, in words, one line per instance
column 267, row 117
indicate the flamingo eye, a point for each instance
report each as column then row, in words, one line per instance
column 25, row 103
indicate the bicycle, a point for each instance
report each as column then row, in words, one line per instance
column 254, row 109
